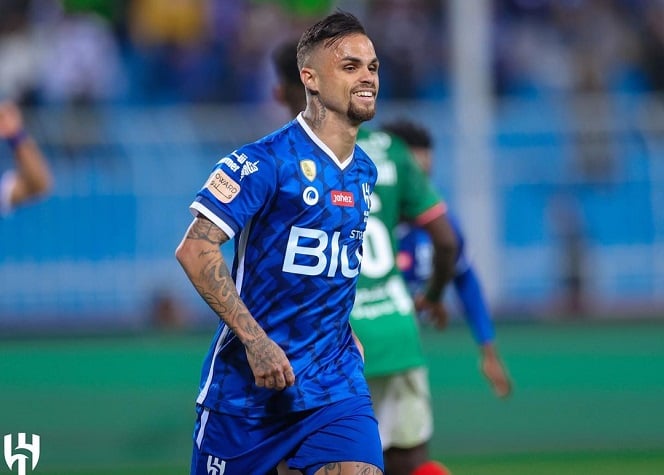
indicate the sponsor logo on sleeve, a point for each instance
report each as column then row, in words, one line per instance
column 248, row 168
column 238, row 162
column 223, row 187
column 228, row 162
column 342, row 198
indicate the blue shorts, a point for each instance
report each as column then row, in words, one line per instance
column 344, row 431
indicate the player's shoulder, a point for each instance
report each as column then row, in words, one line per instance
column 255, row 159
column 284, row 143
column 275, row 138
column 267, row 149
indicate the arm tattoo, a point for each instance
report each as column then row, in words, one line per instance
column 204, row 230
column 215, row 284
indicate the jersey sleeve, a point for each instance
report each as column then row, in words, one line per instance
column 475, row 308
column 469, row 290
column 237, row 188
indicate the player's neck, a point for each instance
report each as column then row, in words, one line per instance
column 335, row 132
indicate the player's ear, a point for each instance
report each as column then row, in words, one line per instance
column 309, row 79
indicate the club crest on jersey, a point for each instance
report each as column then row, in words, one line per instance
column 308, row 167
column 342, row 198
column 223, row 187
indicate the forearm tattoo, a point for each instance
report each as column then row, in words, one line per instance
column 215, row 284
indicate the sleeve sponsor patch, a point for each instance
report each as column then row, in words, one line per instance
column 223, row 187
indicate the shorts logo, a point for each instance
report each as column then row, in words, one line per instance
column 342, row 198
column 308, row 167
column 223, row 187
column 215, row 466
column 22, row 447
column 310, row 195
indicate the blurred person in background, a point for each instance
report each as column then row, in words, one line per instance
column 383, row 315
column 20, row 55
column 283, row 379
column 414, row 260
column 81, row 62
column 31, row 176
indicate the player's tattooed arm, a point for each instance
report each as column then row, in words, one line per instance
column 200, row 255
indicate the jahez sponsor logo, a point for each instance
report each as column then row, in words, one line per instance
column 342, row 198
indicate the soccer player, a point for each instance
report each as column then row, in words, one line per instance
column 31, row 176
column 384, row 314
column 415, row 247
column 283, row 379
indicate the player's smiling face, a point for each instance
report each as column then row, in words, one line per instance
column 348, row 72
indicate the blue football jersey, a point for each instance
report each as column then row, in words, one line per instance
column 298, row 216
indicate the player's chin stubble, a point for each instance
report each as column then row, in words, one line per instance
column 357, row 114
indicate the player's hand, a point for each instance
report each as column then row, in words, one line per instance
column 495, row 372
column 431, row 312
column 269, row 363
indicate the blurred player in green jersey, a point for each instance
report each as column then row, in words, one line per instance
column 414, row 262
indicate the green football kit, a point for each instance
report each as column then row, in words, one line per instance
column 383, row 316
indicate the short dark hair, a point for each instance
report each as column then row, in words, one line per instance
column 330, row 29
column 413, row 134
column 284, row 58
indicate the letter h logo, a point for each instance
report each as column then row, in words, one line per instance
column 21, row 457
column 215, row 466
